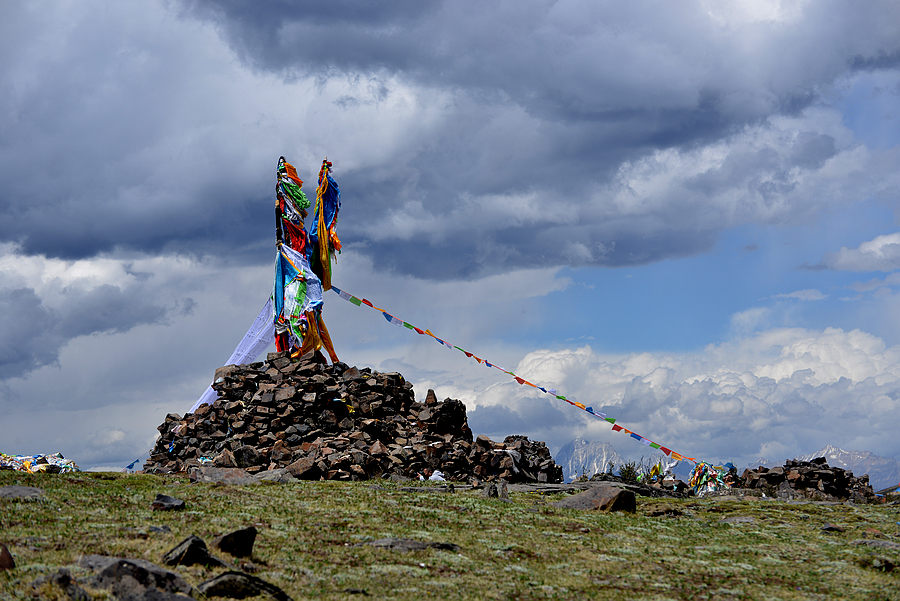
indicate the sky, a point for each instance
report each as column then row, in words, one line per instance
column 684, row 215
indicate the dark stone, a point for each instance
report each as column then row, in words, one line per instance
column 134, row 578
column 6, row 559
column 63, row 579
column 21, row 493
column 449, row 417
column 166, row 503
column 238, row 543
column 602, row 498
column 191, row 551
column 832, row 528
column 405, row 545
column 238, row 585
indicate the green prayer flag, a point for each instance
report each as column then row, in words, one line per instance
column 355, row 301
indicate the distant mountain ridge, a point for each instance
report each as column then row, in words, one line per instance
column 589, row 457
column 585, row 456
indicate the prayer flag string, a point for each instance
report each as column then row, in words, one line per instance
column 426, row 332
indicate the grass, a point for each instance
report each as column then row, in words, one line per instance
column 526, row 549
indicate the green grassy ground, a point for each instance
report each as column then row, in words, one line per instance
column 526, row 549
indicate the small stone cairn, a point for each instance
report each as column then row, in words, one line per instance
column 808, row 480
column 337, row 422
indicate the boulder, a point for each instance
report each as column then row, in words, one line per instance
column 129, row 578
column 601, row 498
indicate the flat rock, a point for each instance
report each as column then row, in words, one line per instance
column 222, row 475
column 21, row 493
column 405, row 544
column 573, row 487
column 134, row 578
column 878, row 544
column 238, row 585
column 602, row 498
column 281, row 475
column 166, row 503
column 739, row 519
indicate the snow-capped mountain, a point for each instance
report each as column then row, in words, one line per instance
column 584, row 456
column 883, row 471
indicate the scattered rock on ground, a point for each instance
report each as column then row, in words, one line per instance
column 238, row 585
column 405, row 544
column 133, row 578
column 21, row 493
column 602, row 498
column 739, row 519
column 191, row 551
column 166, row 503
column 238, row 543
column 879, row 544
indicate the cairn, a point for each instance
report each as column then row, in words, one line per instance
column 810, row 480
column 338, row 423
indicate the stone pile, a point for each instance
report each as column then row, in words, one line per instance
column 810, row 480
column 338, row 423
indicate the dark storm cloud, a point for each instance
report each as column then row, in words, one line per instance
column 27, row 337
column 552, row 98
column 122, row 130
column 32, row 334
